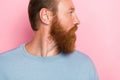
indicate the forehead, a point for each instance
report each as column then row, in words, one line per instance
column 65, row 5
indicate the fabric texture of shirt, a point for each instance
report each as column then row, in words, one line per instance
column 18, row 64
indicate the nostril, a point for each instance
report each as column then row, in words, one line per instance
column 77, row 22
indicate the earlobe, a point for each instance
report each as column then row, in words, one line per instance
column 45, row 16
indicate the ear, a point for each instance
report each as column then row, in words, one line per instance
column 45, row 16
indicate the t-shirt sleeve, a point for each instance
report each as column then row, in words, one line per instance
column 93, row 72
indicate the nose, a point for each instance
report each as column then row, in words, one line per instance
column 76, row 20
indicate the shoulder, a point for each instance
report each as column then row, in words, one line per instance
column 83, row 59
column 81, row 56
column 8, row 55
column 9, row 52
column 87, row 64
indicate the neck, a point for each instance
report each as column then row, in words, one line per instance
column 42, row 44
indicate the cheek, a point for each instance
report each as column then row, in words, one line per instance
column 67, row 22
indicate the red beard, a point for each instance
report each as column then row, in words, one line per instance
column 65, row 39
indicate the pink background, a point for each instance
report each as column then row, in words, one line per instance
column 98, row 35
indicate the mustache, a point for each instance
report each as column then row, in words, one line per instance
column 73, row 29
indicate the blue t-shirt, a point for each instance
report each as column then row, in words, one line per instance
column 18, row 64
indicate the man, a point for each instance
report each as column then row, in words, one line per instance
column 51, row 54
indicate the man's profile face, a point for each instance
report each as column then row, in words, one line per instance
column 64, row 26
column 66, row 14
